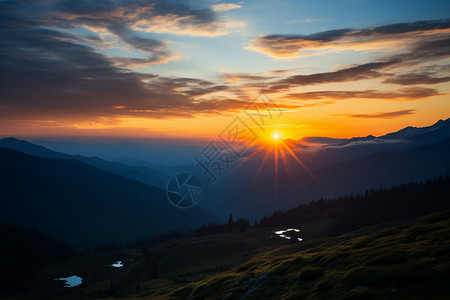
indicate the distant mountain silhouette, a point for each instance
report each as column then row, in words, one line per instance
column 417, row 135
column 165, row 152
column 358, row 147
column 408, row 155
column 343, row 166
column 381, row 169
column 436, row 132
column 322, row 140
column 84, row 205
column 138, row 173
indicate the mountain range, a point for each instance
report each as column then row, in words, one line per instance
column 87, row 201
column 84, row 205
column 141, row 173
column 333, row 169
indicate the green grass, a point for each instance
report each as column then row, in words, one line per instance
column 407, row 261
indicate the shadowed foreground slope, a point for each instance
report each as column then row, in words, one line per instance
column 386, row 261
column 409, row 261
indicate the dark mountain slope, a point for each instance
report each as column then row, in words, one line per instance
column 24, row 251
column 84, row 205
column 141, row 173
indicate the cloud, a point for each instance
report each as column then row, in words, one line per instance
column 384, row 115
column 354, row 73
column 121, row 22
column 386, row 37
column 426, row 51
column 400, row 95
column 156, row 50
column 49, row 77
column 157, row 16
column 239, row 77
column 308, row 20
column 50, row 74
column 124, row 20
column 413, row 79
column 180, row 25
column 253, row 78
column 225, row 6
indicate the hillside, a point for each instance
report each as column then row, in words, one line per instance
column 387, row 261
column 344, row 253
column 24, row 252
column 409, row 261
column 83, row 205
column 139, row 173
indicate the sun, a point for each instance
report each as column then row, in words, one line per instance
column 275, row 136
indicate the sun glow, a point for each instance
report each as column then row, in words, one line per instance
column 275, row 136
column 281, row 154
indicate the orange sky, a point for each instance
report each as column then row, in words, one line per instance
column 187, row 71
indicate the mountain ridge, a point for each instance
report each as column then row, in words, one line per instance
column 84, row 205
column 142, row 174
column 404, row 133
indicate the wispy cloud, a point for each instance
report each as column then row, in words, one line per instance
column 354, row 73
column 246, row 77
column 374, row 38
column 159, row 16
column 400, row 95
column 156, row 50
column 384, row 115
column 429, row 51
column 308, row 20
column 413, row 79
column 225, row 6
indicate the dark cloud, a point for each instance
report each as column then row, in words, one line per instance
column 85, row 7
column 201, row 91
column 48, row 74
column 384, row 115
column 284, row 46
column 153, row 15
column 156, row 50
column 360, row 72
column 400, row 95
column 121, row 18
column 237, row 77
column 423, row 51
column 401, row 28
column 413, row 79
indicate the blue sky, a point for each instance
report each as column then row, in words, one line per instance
column 287, row 17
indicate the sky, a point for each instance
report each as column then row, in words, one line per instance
column 185, row 69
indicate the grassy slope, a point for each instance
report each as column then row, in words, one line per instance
column 382, row 262
column 407, row 261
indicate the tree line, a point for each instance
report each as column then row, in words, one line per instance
column 347, row 213
column 231, row 226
